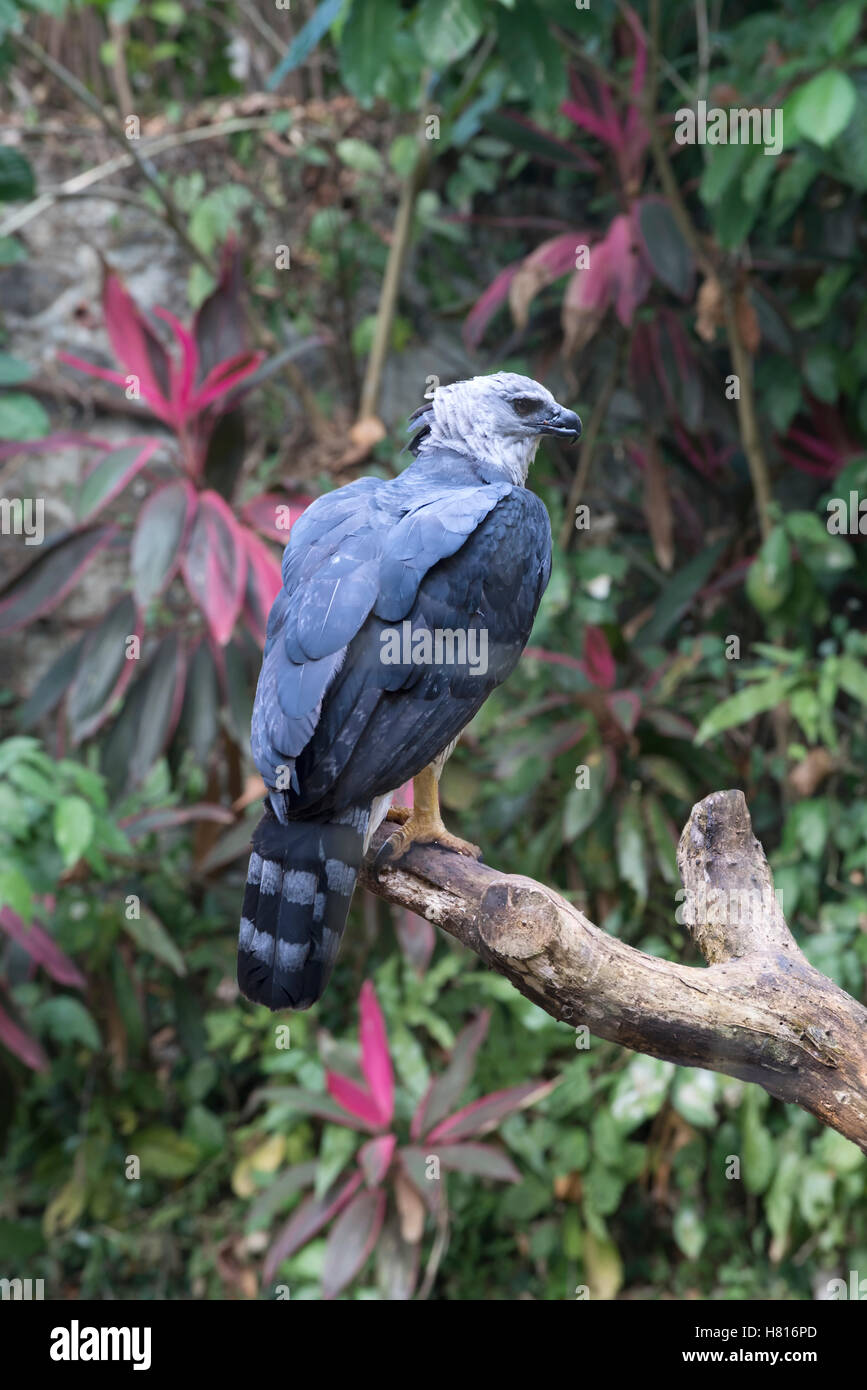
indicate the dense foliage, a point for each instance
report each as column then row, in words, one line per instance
column 702, row 306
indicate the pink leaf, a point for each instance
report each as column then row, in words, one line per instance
column 306, row 1221
column 555, row 658
column 42, row 949
column 63, row 439
column 214, row 565
column 375, row 1056
column 487, row 305
column 625, row 706
column 351, row 1241
column 23, row 1046
column 375, row 1156
column 274, row 515
column 136, row 345
column 486, row 1114
column 225, row 377
column 354, row 1099
column 588, row 119
column 447, row 1089
column 45, row 583
column 480, row 1160
column 599, row 666
column 91, row 369
column 264, row 576
column 183, row 379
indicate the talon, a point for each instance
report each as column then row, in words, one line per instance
column 454, row 842
column 422, row 825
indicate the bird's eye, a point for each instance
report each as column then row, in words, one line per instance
column 525, row 405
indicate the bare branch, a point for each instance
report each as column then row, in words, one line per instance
column 759, row 1011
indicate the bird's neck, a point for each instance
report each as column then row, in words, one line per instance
column 495, row 456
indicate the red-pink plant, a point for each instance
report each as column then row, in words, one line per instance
column 192, row 526
column 608, row 269
column 394, row 1187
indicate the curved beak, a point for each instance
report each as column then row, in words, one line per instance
column 564, row 423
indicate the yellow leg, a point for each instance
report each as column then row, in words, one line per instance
column 423, row 825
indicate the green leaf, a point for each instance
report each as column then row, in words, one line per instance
column 824, row 107
column 108, row 477
column 364, row 42
column 360, row 156
column 757, row 1148
column 73, row 828
column 65, row 1019
column 16, row 175
column 22, row 417
column 336, row 1148
column 15, row 892
column 447, row 30
column 694, row 1096
column 689, row 1231
column 631, row 862
column 678, row 594
column 745, row 705
column 13, row 370
column 12, row 252
column 640, row 1091
column 769, row 578
column 403, row 154
column 852, row 677
column 149, row 933
column 583, row 804
column 163, row 1153
column 843, row 26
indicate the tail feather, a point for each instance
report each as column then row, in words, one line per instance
column 296, row 901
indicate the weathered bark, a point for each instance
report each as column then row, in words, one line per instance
column 758, row 1010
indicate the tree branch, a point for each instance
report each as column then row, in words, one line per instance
column 759, row 1011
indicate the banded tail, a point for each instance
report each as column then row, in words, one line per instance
column 299, row 887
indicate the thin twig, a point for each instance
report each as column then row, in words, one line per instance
column 173, row 213
column 149, row 149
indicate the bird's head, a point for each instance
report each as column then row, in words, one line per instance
column 497, row 419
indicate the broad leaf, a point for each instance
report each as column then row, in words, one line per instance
column 42, row 949
column 24, row 1047
column 306, row 1221
column 147, row 719
column 487, row 1113
column 112, row 474
column 46, row 583
column 351, row 1241
column 479, row 1160
column 149, row 933
column 447, row 1089
column 156, row 544
column 375, row 1056
column 105, row 669
column 214, row 565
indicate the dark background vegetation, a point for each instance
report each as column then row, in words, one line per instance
column 307, row 130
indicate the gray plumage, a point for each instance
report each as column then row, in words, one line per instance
column 456, row 542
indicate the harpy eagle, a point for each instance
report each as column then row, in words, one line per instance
column 404, row 604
